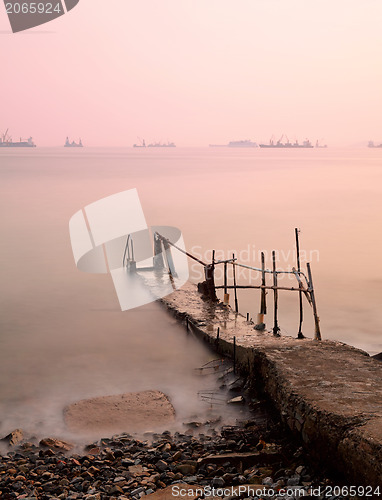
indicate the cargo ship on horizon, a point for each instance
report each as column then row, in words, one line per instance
column 162, row 145
column 372, row 145
column 287, row 144
column 6, row 142
column 73, row 144
column 236, row 144
column 142, row 144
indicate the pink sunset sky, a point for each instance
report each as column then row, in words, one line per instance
column 196, row 72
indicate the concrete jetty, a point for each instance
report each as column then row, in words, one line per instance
column 328, row 393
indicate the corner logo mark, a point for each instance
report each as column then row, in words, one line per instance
column 111, row 236
column 26, row 14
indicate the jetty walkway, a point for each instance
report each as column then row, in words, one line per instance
column 328, row 393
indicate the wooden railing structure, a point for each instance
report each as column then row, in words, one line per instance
column 162, row 247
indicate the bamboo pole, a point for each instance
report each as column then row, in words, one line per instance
column 234, row 284
column 158, row 255
column 263, row 305
column 170, row 262
column 234, row 355
column 226, row 295
column 313, row 298
column 260, row 325
column 180, row 249
column 225, row 277
column 267, row 287
column 276, row 328
column 300, row 334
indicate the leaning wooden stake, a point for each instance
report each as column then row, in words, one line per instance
column 170, row 262
column 234, row 283
column 312, row 296
column 276, row 328
column 300, row 334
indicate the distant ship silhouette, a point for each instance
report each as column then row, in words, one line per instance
column 45, row 12
column 73, row 144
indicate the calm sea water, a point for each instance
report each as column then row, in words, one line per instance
column 62, row 335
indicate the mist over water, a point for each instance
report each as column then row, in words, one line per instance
column 62, row 334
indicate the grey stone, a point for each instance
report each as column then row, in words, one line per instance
column 218, row 482
column 293, row 481
column 118, row 479
column 137, row 491
column 267, row 481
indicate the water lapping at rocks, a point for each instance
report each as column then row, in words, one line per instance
column 257, row 456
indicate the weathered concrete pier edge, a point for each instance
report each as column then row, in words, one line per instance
column 328, row 393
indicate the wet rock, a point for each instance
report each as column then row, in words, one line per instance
column 218, row 482
column 186, row 469
column 135, row 470
column 267, row 481
column 193, row 425
column 161, row 465
column 14, row 438
column 235, row 401
column 56, row 444
column 126, row 462
column 293, row 481
column 177, row 456
column 130, row 469
column 115, row 490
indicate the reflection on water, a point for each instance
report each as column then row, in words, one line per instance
column 62, row 334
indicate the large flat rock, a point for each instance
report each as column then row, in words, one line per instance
column 328, row 393
column 130, row 412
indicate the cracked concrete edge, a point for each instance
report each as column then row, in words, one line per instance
column 351, row 445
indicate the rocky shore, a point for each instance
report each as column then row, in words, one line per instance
column 257, row 456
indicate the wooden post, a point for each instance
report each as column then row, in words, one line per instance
column 300, row 334
column 226, row 295
column 225, row 277
column 170, row 262
column 209, row 272
column 263, row 305
column 312, row 296
column 158, row 255
column 132, row 264
column 276, row 328
column 210, row 281
column 263, row 301
column 234, row 355
column 234, row 283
